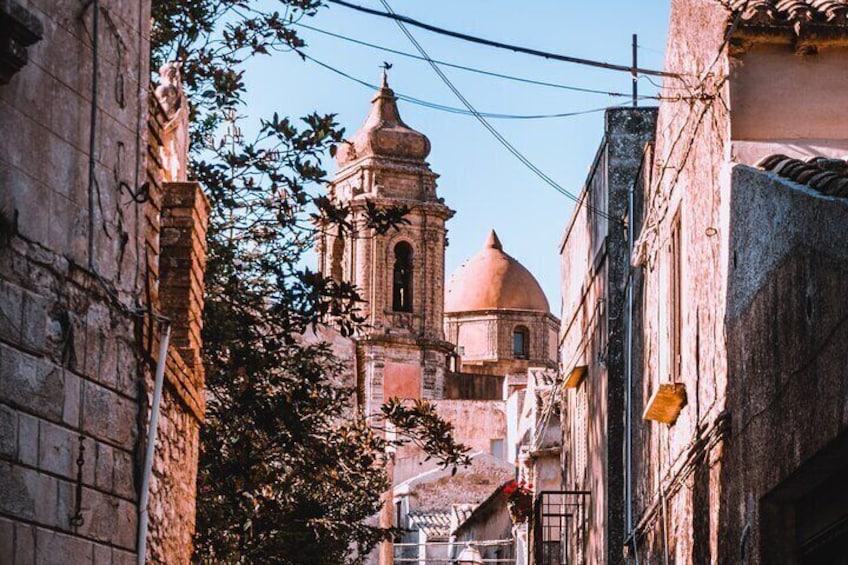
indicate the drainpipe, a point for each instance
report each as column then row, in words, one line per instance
column 151, row 443
column 628, row 441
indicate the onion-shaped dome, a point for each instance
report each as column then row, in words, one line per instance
column 384, row 134
column 492, row 280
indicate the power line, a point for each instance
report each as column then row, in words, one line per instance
column 491, row 43
column 472, row 69
column 453, row 109
column 518, row 155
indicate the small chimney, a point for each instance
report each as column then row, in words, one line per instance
column 185, row 211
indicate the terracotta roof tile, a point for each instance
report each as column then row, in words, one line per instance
column 462, row 512
column 828, row 176
column 433, row 524
column 790, row 12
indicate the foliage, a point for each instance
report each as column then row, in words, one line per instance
column 289, row 471
column 519, row 500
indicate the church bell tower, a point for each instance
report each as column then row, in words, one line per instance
column 400, row 273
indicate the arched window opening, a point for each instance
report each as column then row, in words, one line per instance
column 520, row 343
column 336, row 259
column 402, row 278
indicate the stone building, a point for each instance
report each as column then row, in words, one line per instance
column 734, row 415
column 596, row 305
column 399, row 273
column 102, row 247
column 466, row 348
column 497, row 315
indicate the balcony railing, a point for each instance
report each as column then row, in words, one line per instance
column 444, row 552
column 559, row 527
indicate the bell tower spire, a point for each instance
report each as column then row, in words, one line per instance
column 400, row 273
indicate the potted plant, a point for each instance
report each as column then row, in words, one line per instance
column 519, row 500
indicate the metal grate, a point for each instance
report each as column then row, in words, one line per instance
column 559, row 527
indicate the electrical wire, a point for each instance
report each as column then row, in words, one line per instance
column 516, row 48
column 452, row 109
column 92, row 135
column 475, row 70
column 495, row 133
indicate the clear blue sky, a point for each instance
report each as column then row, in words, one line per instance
column 486, row 186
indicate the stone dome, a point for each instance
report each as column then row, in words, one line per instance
column 492, row 280
column 384, row 134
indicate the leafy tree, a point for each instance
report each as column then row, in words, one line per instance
column 289, row 471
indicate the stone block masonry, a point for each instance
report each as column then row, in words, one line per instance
column 77, row 331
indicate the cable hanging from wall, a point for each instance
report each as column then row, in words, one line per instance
column 402, row 20
column 453, row 109
column 495, row 133
column 467, row 68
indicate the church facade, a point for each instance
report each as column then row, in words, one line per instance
column 467, row 347
column 400, row 273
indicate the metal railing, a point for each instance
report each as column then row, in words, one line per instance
column 559, row 527
column 439, row 552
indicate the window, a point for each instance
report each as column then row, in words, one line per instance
column 520, row 343
column 336, row 258
column 675, row 292
column 496, row 448
column 402, row 278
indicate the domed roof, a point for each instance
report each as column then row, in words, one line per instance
column 384, row 133
column 492, row 280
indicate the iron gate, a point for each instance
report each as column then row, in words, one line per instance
column 559, row 527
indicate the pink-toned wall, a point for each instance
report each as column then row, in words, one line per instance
column 476, row 423
column 402, row 380
column 484, row 340
column 771, row 114
column 689, row 181
column 747, row 104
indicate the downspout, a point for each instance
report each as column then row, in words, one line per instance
column 151, row 443
column 628, row 425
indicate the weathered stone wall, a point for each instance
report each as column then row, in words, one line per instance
column 484, row 340
column 595, row 265
column 676, row 466
column 67, row 371
column 176, row 242
column 172, row 487
column 786, row 327
column 68, row 360
column 693, row 501
column 79, row 277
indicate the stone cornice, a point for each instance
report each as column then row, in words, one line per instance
column 449, row 316
column 411, row 341
column 431, row 207
column 19, row 28
column 377, row 163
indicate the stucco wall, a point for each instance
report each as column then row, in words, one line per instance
column 476, row 423
column 771, row 114
column 786, row 328
column 688, row 181
column 768, row 104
